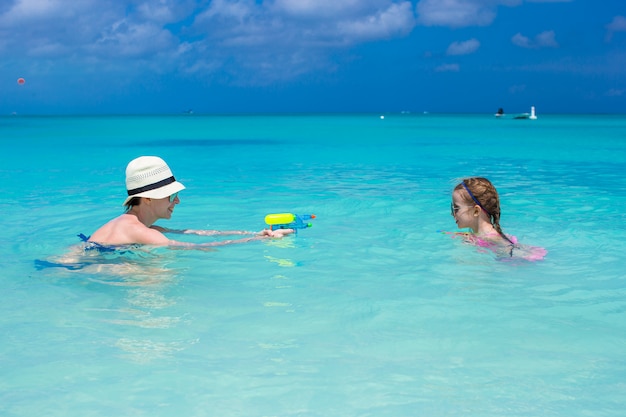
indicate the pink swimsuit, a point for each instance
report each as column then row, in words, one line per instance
column 516, row 250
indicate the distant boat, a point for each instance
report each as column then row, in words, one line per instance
column 500, row 112
column 531, row 115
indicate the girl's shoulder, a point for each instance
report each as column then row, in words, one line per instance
column 503, row 249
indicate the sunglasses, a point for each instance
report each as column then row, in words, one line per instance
column 173, row 197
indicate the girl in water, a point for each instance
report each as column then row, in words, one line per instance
column 476, row 205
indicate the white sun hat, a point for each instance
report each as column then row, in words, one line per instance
column 149, row 176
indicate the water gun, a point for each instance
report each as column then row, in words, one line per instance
column 288, row 221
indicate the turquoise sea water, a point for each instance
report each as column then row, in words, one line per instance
column 371, row 312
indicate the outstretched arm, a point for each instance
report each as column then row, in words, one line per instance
column 215, row 232
column 264, row 234
column 200, row 232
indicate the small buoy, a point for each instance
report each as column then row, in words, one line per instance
column 21, row 81
column 382, row 117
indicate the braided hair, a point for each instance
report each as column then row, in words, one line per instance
column 480, row 191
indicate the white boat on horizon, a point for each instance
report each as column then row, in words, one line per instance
column 520, row 116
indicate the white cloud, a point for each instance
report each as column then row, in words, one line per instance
column 397, row 19
column 36, row 9
column 618, row 24
column 237, row 11
column 91, row 30
column 448, row 68
column 291, row 24
column 322, row 8
column 521, row 40
column 518, row 88
column 268, row 35
column 165, row 11
column 44, row 48
column 460, row 13
column 52, row 28
column 127, row 39
column 613, row 92
column 304, row 23
column 302, row 34
column 463, row 48
column 28, row 18
column 545, row 39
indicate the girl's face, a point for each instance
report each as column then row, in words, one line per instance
column 462, row 212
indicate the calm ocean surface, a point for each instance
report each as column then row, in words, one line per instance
column 371, row 312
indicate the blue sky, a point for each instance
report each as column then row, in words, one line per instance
column 232, row 56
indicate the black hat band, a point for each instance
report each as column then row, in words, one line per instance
column 154, row 186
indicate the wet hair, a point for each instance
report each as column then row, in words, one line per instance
column 135, row 201
column 480, row 191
